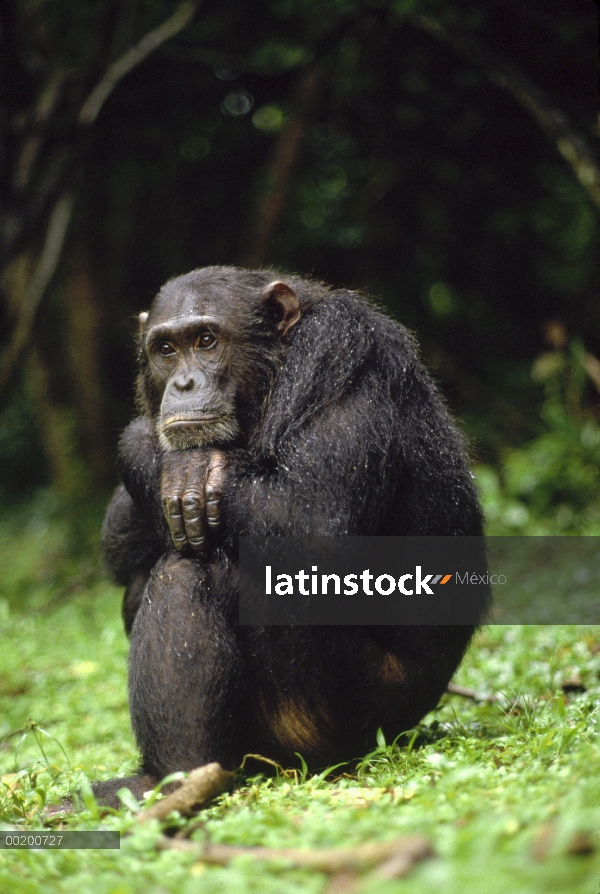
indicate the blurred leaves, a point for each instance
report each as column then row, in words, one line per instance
column 552, row 483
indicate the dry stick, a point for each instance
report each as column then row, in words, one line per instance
column 475, row 696
column 203, row 785
column 46, row 267
column 393, row 859
column 115, row 72
column 405, row 852
column 483, row 697
column 286, row 155
column 570, row 144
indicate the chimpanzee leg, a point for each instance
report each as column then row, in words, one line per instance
column 183, row 673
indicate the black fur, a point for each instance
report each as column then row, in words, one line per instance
column 343, row 433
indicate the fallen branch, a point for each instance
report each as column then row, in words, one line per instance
column 202, row 786
column 489, row 698
column 454, row 689
column 404, row 852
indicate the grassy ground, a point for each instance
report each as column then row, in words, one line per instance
column 508, row 793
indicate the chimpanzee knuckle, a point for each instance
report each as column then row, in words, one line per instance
column 218, row 457
column 215, row 480
column 192, row 500
column 178, row 535
column 198, row 544
column 170, row 490
column 172, row 506
column 174, row 519
column 213, row 514
column 213, row 491
column 196, row 539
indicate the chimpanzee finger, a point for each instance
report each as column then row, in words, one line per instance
column 214, row 492
column 175, row 521
column 193, row 517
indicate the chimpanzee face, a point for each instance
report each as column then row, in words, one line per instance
column 200, row 358
column 188, row 359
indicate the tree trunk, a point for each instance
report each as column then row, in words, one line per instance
column 83, row 334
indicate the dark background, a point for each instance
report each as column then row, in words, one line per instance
column 437, row 154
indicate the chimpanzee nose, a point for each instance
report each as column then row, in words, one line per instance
column 184, row 382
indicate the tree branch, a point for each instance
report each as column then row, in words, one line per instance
column 571, row 145
column 45, row 269
column 122, row 66
column 46, row 104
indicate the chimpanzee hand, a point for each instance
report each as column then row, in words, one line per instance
column 191, row 490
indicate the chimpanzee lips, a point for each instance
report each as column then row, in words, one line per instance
column 179, row 421
column 180, row 432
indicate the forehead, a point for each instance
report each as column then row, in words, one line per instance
column 195, row 295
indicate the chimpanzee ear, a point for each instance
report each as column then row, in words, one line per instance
column 284, row 302
column 142, row 318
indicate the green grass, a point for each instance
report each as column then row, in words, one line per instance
column 509, row 795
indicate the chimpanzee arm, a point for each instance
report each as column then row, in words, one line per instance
column 139, row 466
column 191, row 478
column 130, row 542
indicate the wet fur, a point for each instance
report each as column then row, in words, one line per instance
column 341, row 431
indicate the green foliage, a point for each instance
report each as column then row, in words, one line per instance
column 19, row 451
column 551, row 485
column 504, row 790
column 49, row 549
column 280, row 55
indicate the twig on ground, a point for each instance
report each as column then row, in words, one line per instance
column 394, row 859
column 454, row 689
column 201, row 787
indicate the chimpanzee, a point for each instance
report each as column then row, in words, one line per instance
column 273, row 405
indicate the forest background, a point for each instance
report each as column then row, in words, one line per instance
column 438, row 155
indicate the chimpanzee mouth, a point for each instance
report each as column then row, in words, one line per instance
column 184, row 422
column 182, row 432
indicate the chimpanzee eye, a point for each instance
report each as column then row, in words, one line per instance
column 166, row 349
column 207, row 340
